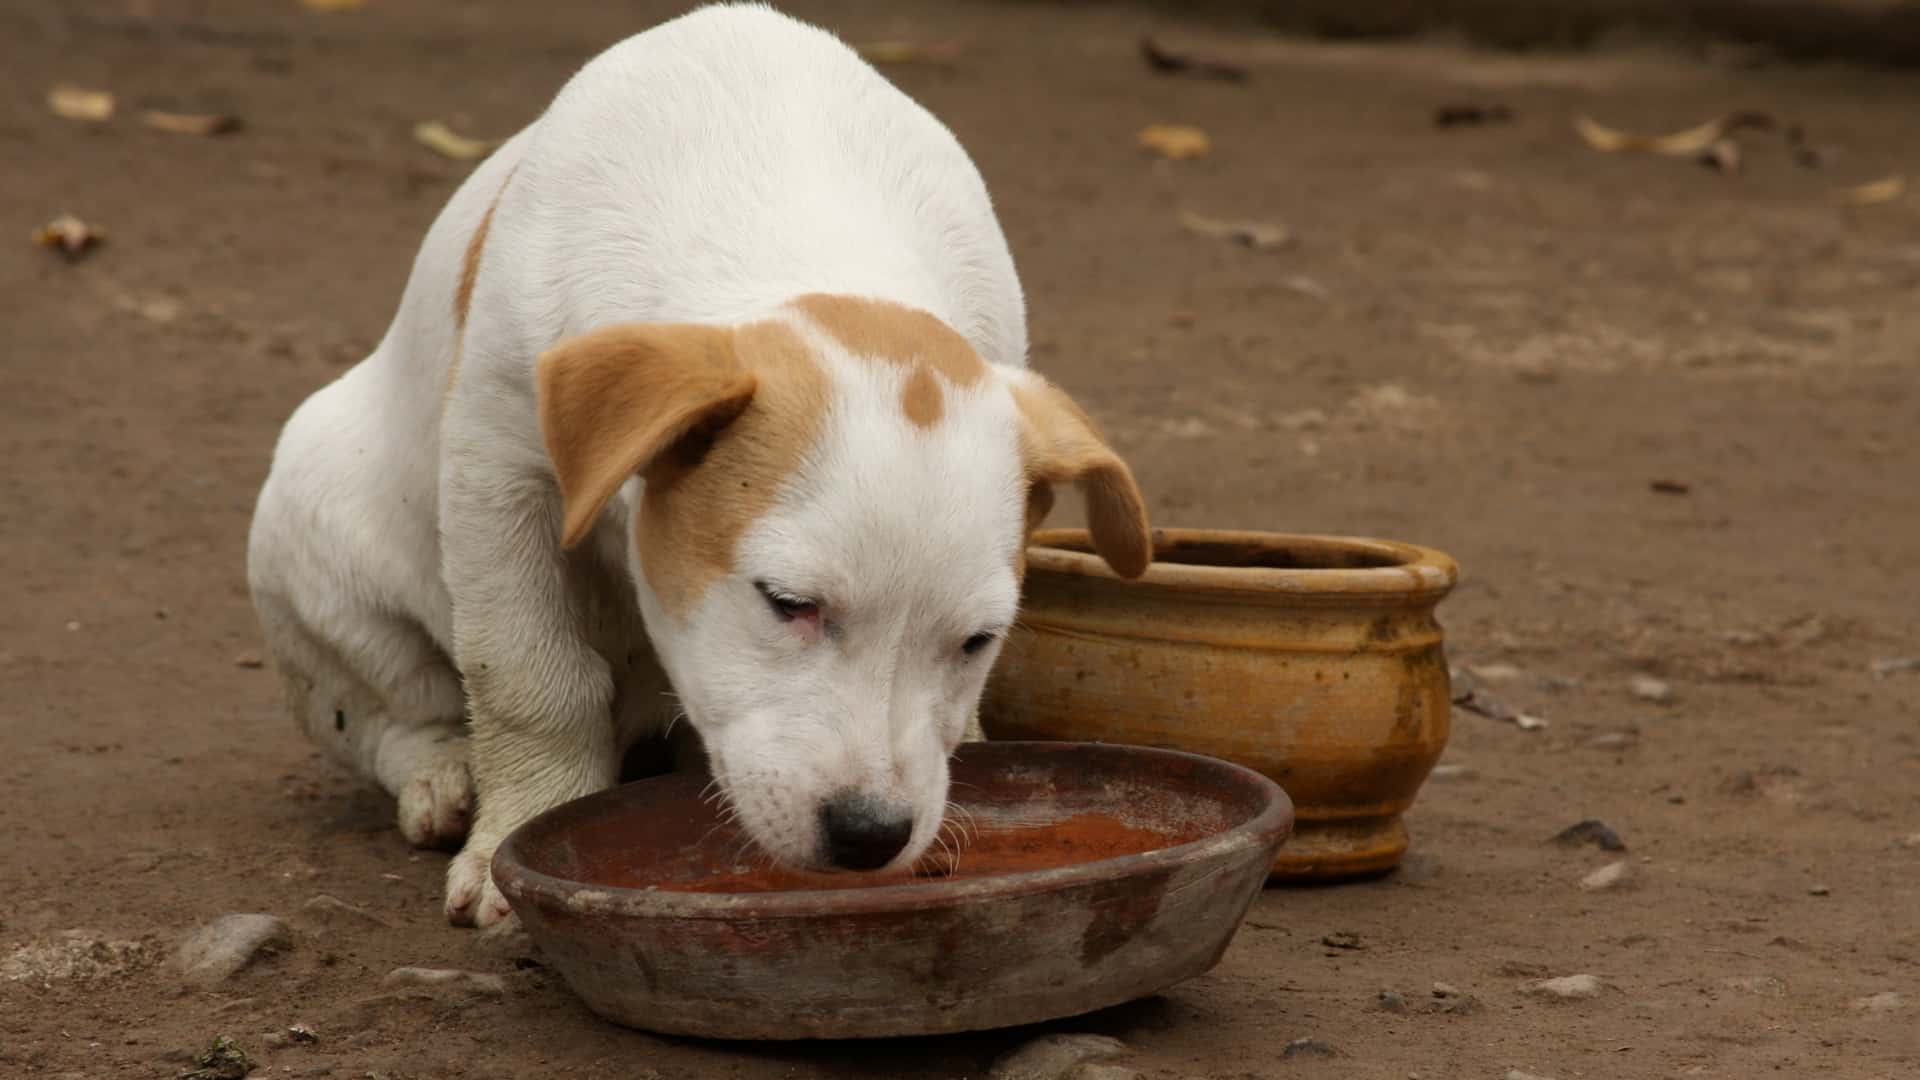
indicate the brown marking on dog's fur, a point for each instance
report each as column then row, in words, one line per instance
column 892, row 333
column 470, row 265
column 920, row 397
column 1061, row 444
column 463, row 293
column 713, row 420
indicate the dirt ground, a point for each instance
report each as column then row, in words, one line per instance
column 1491, row 340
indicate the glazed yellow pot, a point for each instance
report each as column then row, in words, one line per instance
column 1315, row 660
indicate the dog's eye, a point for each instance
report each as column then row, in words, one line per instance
column 786, row 605
column 978, row 641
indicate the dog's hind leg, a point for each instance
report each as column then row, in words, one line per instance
column 380, row 697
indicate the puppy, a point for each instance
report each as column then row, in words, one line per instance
column 706, row 396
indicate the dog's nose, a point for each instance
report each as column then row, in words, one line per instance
column 863, row 833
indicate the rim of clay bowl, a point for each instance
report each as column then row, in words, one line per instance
column 1350, row 567
column 521, row 882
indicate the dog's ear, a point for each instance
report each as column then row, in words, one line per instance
column 1062, row 444
column 623, row 399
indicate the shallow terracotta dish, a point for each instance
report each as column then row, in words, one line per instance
column 1094, row 875
column 1315, row 660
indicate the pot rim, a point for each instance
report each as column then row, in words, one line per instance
column 1417, row 572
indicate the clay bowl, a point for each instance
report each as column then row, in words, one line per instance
column 1314, row 660
column 1095, row 875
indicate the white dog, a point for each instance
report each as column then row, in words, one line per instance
column 714, row 372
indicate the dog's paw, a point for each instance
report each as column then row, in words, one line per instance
column 472, row 897
column 436, row 805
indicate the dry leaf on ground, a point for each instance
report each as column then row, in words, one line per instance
column 1258, row 235
column 443, row 140
column 1175, row 141
column 1173, row 62
column 78, row 103
column 940, row 54
column 1880, row 191
column 190, row 123
column 69, row 236
column 331, row 6
column 1691, row 143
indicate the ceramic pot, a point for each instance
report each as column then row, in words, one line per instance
column 1315, row 660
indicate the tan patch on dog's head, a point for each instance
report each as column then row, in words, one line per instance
column 713, row 420
column 883, row 331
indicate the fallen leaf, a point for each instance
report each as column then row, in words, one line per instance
column 329, row 7
column 1171, row 62
column 446, row 142
column 1176, row 141
column 1691, row 143
column 77, row 103
column 69, row 235
column 941, row 54
column 1447, row 116
column 1258, row 235
column 1670, row 487
column 1872, row 194
column 190, row 123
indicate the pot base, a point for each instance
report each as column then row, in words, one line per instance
column 1322, row 851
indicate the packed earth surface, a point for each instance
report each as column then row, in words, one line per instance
column 1662, row 413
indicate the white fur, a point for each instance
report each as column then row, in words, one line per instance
column 405, row 557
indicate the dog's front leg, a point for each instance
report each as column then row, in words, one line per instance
column 539, row 696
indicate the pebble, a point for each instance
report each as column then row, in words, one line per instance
column 1391, row 1001
column 1819, row 890
column 1612, row 740
column 1055, row 1057
column 1648, row 688
column 1912, row 840
column 446, row 979
column 1519, row 1074
column 1883, row 668
column 1445, row 773
column 249, row 661
column 1307, row 1048
column 1882, row 1002
column 334, row 911
column 219, row 950
column 1448, row 998
column 1568, row 988
column 1591, row 831
column 1614, row 875
column 1760, row 985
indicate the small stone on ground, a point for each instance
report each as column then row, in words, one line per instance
column 449, row 979
column 1568, row 988
column 1591, row 831
column 1614, row 875
column 1882, row 1002
column 1055, row 1057
column 222, row 948
column 1307, row 1048
column 1648, row 688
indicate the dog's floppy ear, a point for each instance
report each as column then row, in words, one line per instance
column 1062, row 444
column 616, row 400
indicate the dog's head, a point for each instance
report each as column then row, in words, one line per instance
column 828, row 545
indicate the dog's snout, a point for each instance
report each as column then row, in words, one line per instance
column 863, row 832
